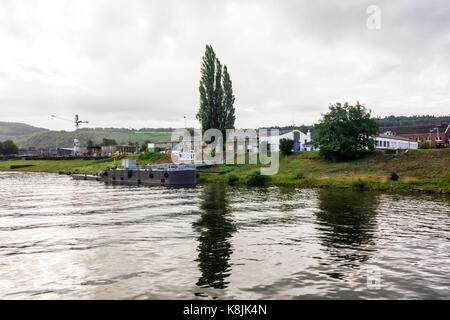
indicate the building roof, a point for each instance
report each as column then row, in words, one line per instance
column 415, row 129
column 386, row 136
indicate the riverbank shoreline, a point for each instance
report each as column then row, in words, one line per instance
column 422, row 171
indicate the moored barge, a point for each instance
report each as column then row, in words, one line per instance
column 158, row 174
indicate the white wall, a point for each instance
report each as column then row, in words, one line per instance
column 274, row 141
column 383, row 143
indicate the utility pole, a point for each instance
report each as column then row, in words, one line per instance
column 56, row 136
column 438, row 141
column 431, row 140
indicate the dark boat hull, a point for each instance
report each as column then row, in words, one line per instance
column 146, row 177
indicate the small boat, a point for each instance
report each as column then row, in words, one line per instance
column 21, row 166
column 158, row 174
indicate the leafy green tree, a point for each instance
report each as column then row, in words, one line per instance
column 286, row 146
column 144, row 146
column 1, row 148
column 90, row 143
column 228, row 115
column 346, row 132
column 216, row 95
column 108, row 142
column 8, row 147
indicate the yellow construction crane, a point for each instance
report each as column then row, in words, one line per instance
column 114, row 166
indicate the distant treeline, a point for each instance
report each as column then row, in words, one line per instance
column 130, row 129
column 397, row 121
column 390, row 121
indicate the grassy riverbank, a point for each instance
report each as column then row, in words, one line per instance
column 80, row 166
column 418, row 170
column 57, row 166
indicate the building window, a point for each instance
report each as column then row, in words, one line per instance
column 427, row 139
column 438, row 138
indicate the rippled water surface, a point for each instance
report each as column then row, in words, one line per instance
column 62, row 239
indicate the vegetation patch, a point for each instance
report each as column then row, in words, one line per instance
column 299, row 175
column 361, row 185
column 394, row 176
column 200, row 178
column 148, row 156
column 256, row 179
column 286, row 146
column 232, row 178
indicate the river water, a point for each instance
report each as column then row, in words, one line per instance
column 64, row 239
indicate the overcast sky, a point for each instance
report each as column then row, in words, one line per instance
column 137, row 63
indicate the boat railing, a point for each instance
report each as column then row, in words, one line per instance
column 171, row 166
column 162, row 167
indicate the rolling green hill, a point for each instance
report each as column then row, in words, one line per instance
column 26, row 136
column 11, row 129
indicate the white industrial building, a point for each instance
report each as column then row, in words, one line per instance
column 302, row 142
column 385, row 142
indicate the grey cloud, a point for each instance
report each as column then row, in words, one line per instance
column 137, row 62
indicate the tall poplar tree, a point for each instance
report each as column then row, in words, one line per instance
column 216, row 95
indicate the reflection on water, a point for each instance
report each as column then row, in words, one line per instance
column 63, row 239
column 215, row 227
column 347, row 220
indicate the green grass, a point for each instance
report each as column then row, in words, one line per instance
column 148, row 157
column 81, row 166
column 419, row 170
column 57, row 166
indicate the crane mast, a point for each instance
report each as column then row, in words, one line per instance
column 76, row 140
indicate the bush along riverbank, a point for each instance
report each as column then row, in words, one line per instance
column 416, row 170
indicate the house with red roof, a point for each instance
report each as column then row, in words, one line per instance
column 437, row 135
